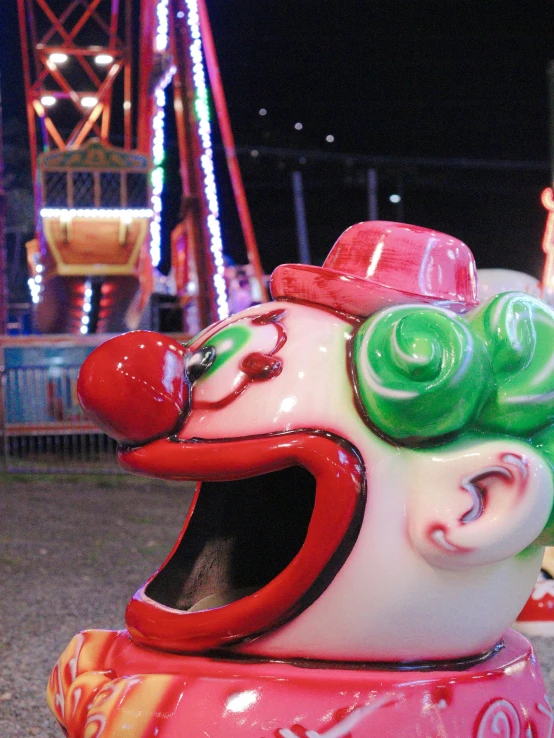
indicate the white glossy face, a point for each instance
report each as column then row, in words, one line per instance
column 312, row 390
column 405, row 594
column 437, row 570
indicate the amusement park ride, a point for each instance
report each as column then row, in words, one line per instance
column 96, row 73
column 373, row 451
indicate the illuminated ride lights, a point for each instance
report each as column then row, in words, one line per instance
column 158, row 139
column 126, row 214
column 58, row 58
column 206, row 160
column 35, row 284
column 157, row 178
column 35, row 287
column 103, row 59
column 202, row 110
column 87, row 307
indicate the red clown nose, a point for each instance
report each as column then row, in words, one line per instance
column 133, row 386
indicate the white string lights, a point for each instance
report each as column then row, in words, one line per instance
column 162, row 29
column 87, row 307
column 35, row 284
column 158, row 139
column 206, row 160
column 66, row 213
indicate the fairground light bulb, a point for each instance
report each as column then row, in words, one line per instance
column 103, row 59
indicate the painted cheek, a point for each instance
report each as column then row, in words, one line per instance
column 260, row 366
column 255, row 361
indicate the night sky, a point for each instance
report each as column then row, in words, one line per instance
column 397, row 78
column 433, row 77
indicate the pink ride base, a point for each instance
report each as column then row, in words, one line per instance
column 196, row 696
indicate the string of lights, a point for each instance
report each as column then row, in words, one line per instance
column 202, row 109
column 35, row 284
column 158, row 140
column 125, row 213
column 87, row 307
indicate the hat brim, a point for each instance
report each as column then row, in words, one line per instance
column 345, row 293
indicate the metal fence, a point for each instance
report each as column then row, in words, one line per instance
column 42, row 426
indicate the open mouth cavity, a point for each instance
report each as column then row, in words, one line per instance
column 254, row 550
column 241, row 536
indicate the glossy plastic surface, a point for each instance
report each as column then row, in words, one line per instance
column 335, row 517
column 379, row 263
column 143, row 372
column 93, row 685
column 375, row 486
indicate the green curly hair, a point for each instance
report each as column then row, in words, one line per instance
column 425, row 375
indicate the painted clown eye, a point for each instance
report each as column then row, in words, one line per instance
column 199, row 362
column 222, row 347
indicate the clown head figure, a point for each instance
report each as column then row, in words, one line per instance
column 372, row 450
column 374, row 456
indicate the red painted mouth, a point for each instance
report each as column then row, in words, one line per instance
column 271, row 523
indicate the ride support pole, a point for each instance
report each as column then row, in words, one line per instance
column 229, row 146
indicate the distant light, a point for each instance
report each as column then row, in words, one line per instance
column 180, row 14
column 48, row 100
column 58, row 58
column 262, row 111
column 329, row 138
column 395, row 199
column 89, row 102
column 298, row 126
column 84, row 329
column 302, row 160
column 254, row 153
column 103, row 59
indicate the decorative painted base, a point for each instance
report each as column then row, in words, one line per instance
column 105, row 685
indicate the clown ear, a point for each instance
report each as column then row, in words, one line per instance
column 479, row 504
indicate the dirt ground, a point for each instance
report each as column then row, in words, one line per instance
column 72, row 552
column 73, row 549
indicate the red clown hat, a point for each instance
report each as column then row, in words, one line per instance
column 376, row 264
